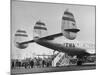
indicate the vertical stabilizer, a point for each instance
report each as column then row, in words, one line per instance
column 39, row 29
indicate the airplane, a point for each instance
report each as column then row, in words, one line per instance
column 69, row 30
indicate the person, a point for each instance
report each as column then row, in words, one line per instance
column 43, row 63
column 31, row 63
column 12, row 64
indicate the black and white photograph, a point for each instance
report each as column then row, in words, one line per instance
column 52, row 37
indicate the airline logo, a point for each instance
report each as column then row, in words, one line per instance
column 81, row 45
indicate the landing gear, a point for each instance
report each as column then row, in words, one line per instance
column 80, row 60
column 79, row 63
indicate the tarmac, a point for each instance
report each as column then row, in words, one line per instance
column 53, row 69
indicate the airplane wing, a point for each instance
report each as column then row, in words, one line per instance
column 50, row 37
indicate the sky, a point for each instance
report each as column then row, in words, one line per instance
column 24, row 15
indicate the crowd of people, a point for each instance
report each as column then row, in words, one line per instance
column 38, row 62
column 31, row 63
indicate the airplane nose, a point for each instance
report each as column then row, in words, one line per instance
column 72, row 30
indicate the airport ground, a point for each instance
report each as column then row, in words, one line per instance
column 53, row 69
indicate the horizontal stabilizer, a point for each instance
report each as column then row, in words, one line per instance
column 50, row 37
column 26, row 42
